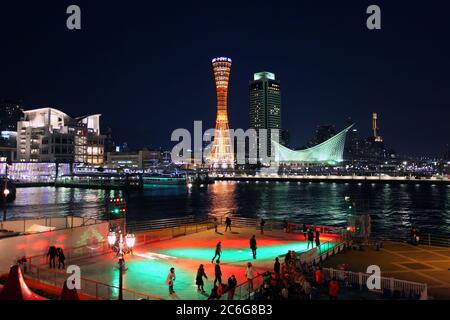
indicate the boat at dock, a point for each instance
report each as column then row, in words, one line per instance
column 163, row 179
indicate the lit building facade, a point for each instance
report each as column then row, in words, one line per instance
column 222, row 153
column 265, row 107
column 134, row 160
column 50, row 135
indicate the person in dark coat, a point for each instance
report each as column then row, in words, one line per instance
column 277, row 268
column 227, row 224
column 199, row 279
column 232, row 283
column 262, row 224
column 310, row 238
column 217, row 273
column 317, row 238
column 305, row 230
column 52, row 253
column 61, row 258
column 218, row 252
column 253, row 246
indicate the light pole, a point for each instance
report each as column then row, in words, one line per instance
column 6, row 193
column 130, row 241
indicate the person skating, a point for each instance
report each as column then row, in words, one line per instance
column 310, row 238
column 52, row 253
column 227, row 224
column 262, row 224
column 217, row 273
column 285, row 226
column 253, row 246
column 317, row 238
column 232, row 283
column 250, row 274
column 61, row 258
column 305, row 230
column 170, row 280
column 199, row 279
column 216, row 224
column 218, row 252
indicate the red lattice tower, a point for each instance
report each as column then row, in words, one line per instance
column 222, row 154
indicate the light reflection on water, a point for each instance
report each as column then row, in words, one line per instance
column 394, row 208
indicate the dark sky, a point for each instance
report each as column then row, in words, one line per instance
column 145, row 65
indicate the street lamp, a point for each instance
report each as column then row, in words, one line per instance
column 124, row 246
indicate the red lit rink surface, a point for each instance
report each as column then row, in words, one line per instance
column 150, row 265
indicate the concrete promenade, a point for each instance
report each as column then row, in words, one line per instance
column 423, row 264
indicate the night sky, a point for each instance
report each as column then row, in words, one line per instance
column 146, row 65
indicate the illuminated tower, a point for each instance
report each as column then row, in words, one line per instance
column 375, row 129
column 222, row 154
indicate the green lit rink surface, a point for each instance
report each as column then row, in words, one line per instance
column 240, row 254
column 149, row 266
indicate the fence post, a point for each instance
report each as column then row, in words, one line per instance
column 360, row 280
column 391, row 280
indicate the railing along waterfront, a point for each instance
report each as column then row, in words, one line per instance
column 73, row 254
column 425, row 239
column 91, row 288
column 406, row 289
column 22, row 226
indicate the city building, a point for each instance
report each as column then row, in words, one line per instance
column 265, row 107
column 328, row 152
column 50, row 135
column 222, row 153
column 135, row 160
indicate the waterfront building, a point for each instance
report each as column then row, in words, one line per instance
column 222, row 153
column 50, row 135
column 328, row 152
column 134, row 160
column 265, row 107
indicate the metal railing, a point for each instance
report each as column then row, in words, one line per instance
column 404, row 288
column 59, row 223
column 426, row 239
column 275, row 224
column 90, row 288
column 72, row 254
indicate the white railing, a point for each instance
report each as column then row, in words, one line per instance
column 407, row 289
column 91, row 289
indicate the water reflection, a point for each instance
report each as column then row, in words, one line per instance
column 394, row 208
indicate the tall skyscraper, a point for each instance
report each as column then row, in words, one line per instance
column 265, row 106
column 222, row 153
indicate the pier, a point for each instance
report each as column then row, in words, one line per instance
column 336, row 179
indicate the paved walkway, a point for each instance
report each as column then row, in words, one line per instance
column 422, row 264
column 149, row 267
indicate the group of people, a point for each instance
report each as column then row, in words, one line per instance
column 285, row 282
column 290, row 282
column 56, row 253
column 218, row 286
